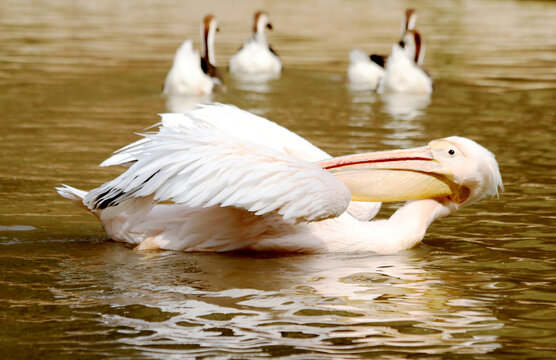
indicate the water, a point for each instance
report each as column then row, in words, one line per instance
column 78, row 78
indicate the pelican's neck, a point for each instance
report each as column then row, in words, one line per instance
column 409, row 223
column 403, row 230
column 207, row 42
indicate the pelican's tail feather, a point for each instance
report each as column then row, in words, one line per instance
column 73, row 194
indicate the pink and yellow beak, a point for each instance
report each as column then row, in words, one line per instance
column 397, row 175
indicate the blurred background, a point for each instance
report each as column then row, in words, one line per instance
column 78, row 79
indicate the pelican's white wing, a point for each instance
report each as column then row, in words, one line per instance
column 234, row 122
column 191, row 162
column 245, row 126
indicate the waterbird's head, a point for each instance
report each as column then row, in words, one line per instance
column 455, row 170
column 261, row 22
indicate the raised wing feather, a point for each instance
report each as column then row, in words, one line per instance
column 234, row 122
column 193, row 163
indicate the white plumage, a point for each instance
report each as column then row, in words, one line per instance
column 186, row 76
column 256, row 59
column 195, row 164
column 193, row 74
column 238, row 181
column 403, row 73
column 365, row 71
column 362, row 71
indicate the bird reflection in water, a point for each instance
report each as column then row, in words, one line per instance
column 405, row 106
column 176, row 298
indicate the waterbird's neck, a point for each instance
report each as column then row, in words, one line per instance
column 207, row 42
column 260, row 34
column 403, row 230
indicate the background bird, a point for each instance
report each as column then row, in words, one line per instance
column 403, row 72
column 256, row 58
column 364, row 70
column 192, row 74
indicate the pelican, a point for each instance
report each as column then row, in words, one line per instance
column 218, row 179
column 403, row 72
column 365, row 71
column 256, row 58
column 192, row 74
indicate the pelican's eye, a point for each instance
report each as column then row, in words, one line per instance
column 452, row 152
column 402, row 44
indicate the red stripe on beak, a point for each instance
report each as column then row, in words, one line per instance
column 374, row 161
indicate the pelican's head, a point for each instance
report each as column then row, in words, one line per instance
column 454, row 170
column 468, row 165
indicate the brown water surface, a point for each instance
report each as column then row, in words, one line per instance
column 78, row 78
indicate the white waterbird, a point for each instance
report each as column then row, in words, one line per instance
column 403, row 72
column 191, row 73
column 365, row 71
column 256, row 58
column 218, row 178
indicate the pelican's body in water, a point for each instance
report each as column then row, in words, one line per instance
column 221, row 179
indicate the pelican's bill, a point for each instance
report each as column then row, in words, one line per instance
column 398, row 175
column 387, row 185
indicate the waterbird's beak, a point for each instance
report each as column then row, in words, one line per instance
column 397, row 175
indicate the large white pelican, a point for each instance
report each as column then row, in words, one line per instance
column 231, row 180
column 192, row 74
column 256, row 59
